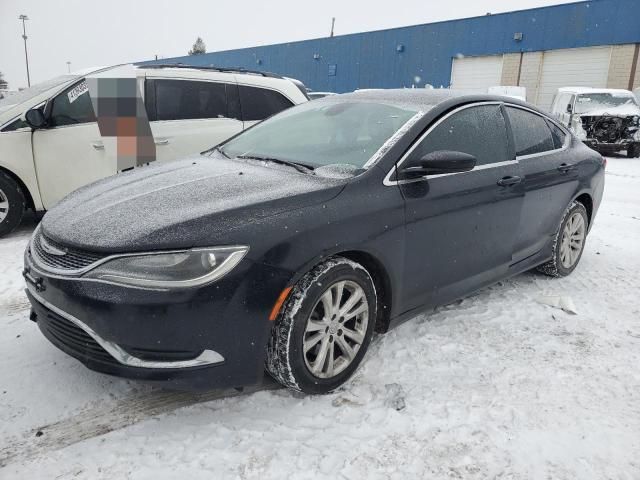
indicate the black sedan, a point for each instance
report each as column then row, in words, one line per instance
column 290, row 244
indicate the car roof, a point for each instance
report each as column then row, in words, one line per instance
column 424, row 99
column 585, row 90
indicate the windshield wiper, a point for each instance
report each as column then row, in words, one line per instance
column 301, row 167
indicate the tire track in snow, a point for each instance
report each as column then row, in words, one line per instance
column 95, row 421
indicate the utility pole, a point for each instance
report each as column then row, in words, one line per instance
column 68, row 67
column 24, row 37
column 333, row 24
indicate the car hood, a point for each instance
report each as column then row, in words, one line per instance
column 628, row 110
column 188, row 203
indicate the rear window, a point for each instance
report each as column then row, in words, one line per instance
column 260, row 103
column 530, row 132
column 185, row 100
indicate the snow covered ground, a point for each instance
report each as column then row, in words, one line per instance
column 495, row 386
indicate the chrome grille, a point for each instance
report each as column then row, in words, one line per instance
column 70, row 261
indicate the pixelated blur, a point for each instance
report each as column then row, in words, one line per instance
column 119, row 108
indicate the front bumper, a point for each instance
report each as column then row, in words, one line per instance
column 211, row 337
column 609, row 147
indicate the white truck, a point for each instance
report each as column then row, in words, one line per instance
column 605, row 119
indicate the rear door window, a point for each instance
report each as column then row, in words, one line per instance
column 185, row 100
column 260, row 103
column 72, row 106
column 531, row 133
column 479, row 131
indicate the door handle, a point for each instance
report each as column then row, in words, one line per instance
column 566, row 168
column 97, row 145
column 509, row 181
column 162, row 141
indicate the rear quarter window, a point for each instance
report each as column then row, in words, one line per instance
column 558, row 135
column 260, row 103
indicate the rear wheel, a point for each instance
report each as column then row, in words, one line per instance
column 569, row 242
column 12, row 204
column 323, row 332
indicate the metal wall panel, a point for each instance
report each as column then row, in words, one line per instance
column 371, row 59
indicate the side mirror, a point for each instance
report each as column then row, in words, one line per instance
column 569, row 109
column 35, row 118
column 436, row 163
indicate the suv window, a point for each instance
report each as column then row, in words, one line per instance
column 530, row 132
column 185, row 100
column 71, row 107
column 563, row 100
column 260, row 103
column 15, row 125
column 479, row 131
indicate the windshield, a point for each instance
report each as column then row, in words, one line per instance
column 322, row 133
column 600, row 101
column 31, row 92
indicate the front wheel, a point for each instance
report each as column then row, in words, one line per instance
column 12, row 204
column 569, row 242
column 633, row 151
column 323, row 332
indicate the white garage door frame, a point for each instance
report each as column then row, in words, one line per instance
column 476, row 74
column 574, row 67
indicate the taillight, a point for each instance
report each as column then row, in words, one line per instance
column 604, row 162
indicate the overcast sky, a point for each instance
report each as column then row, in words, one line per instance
column 104, row 32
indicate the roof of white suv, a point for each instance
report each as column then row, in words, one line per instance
column 292, row 88
column 586, row 90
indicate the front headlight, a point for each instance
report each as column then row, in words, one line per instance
column 183, row 269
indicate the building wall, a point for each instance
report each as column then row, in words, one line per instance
column 636, row 78
column 530, row 73
column 620, row 66
column 422, row 54
column 511, row 68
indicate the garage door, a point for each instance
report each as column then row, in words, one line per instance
column 575, row 67
column 476, row 74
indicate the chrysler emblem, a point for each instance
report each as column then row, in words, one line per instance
column 50, row 249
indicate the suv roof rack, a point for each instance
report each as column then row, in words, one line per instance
column 212, row 68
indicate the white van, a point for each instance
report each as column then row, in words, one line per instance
column 40, row 164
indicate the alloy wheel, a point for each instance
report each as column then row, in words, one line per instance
column 4, row 206
column 572, row 241
column 335, row 329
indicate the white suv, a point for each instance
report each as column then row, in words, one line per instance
column 39, row 166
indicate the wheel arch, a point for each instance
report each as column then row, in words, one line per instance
column 27, row 194
column 587, row 201
column 379, row 275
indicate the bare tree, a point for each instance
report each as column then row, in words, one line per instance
column 198, row 48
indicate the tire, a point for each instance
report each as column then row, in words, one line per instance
column 304, row 318
column 633, row 151
column 12, row 204
column 576, row 220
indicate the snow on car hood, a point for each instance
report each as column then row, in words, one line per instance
column 627, row 110
column 180, row 204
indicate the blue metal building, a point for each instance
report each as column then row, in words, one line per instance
column 424, row 54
